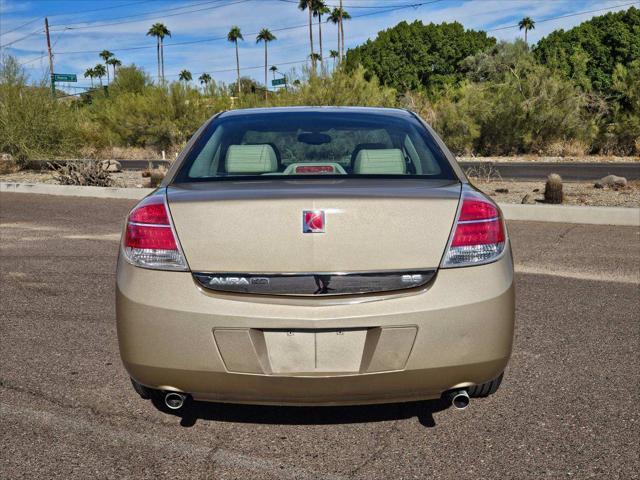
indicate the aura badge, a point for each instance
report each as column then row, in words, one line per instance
column 313, row 221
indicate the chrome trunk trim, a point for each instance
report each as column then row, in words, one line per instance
column 314, row 283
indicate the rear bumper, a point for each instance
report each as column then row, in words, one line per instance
column 417, row 344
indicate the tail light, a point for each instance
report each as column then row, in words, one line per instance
column 150, row 240
column 479, row 233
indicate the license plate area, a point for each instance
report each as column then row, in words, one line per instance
column 315, row 351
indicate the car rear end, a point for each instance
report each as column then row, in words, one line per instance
column 315, row 257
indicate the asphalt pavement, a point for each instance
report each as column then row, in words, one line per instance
column 568, row 407
column 569, row 171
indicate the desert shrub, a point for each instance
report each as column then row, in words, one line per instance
column 33, row 125
column 338, row 88
column 85, row 173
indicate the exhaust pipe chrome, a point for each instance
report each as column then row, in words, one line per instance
column 174, row 400
column 459, row 399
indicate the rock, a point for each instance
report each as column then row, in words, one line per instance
column 111, row 166
column 553, row 189
column 7, row 164
column 502, row 190
column 611, row 181
column 528, row 200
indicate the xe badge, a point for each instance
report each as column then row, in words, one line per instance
column 313, row 221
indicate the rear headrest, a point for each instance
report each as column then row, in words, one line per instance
column 388, row 161
column 251, row 159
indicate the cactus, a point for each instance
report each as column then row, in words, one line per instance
column 553, row 189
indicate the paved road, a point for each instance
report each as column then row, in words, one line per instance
column 567, row 409
column 578, row 171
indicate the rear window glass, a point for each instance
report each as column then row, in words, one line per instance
column 313, row 143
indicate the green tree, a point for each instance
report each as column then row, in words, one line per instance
column 273, row 69
column 526, row 24
column 334, row 17
column 308, row 5
column 114, row 62
column 106, row 55
column 319, row 9
column 265, row 36
column 334, row 54
column 233, row 36
column 204, row 79
column 100, row 71
column 185, row 76
column 91, row 74
column 598, row 44
column 414, row 56
column 130, row 79
column 159, row 30
column 343, row 15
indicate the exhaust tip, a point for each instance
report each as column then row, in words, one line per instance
column 459, row 399
column 174, row 400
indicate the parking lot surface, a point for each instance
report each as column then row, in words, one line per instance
column 568, row 407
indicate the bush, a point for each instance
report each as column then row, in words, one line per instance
column 86, row 173
column 33, row 125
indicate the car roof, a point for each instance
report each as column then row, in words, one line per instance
column 378, row 111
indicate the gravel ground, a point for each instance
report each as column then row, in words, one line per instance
column 575, row 193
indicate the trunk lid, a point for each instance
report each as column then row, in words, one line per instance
column 370, row 224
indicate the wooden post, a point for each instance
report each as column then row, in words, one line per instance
column 53, row 84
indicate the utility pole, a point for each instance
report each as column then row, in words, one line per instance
column 53, row 85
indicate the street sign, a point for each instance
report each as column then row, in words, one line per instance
column 64, row 77
column 278, row 81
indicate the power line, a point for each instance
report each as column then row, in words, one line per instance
column 224, row 37
column 20, row 26
column 567, row 16
column 22, row 38
column 110, row 21
column 76, row 13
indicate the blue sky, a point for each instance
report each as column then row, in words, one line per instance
column 81, row 28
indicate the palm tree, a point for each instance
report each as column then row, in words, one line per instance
column 320, row 9
column 308, row 5
column 159, row 30
column 205, row 78
column 334, row 54
column 265, row 36
column 528, row 24
column 100, row 71
column 114, row 62
column 273, row 69
column 344, row 15
column 334, row 17
column 106, row 55
column 315, row 57
column 89, row 73
column 185, row 76
column 233, row 36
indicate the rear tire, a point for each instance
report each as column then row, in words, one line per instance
column 486, row 389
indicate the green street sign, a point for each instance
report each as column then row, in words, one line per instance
column 278, row 81
column 64, row 77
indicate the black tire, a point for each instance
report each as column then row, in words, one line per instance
column 486, row 389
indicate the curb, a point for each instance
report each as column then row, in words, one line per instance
column 76, row 191
column 531, row 213
column 621, row 216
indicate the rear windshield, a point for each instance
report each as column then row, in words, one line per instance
column 312, row 143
